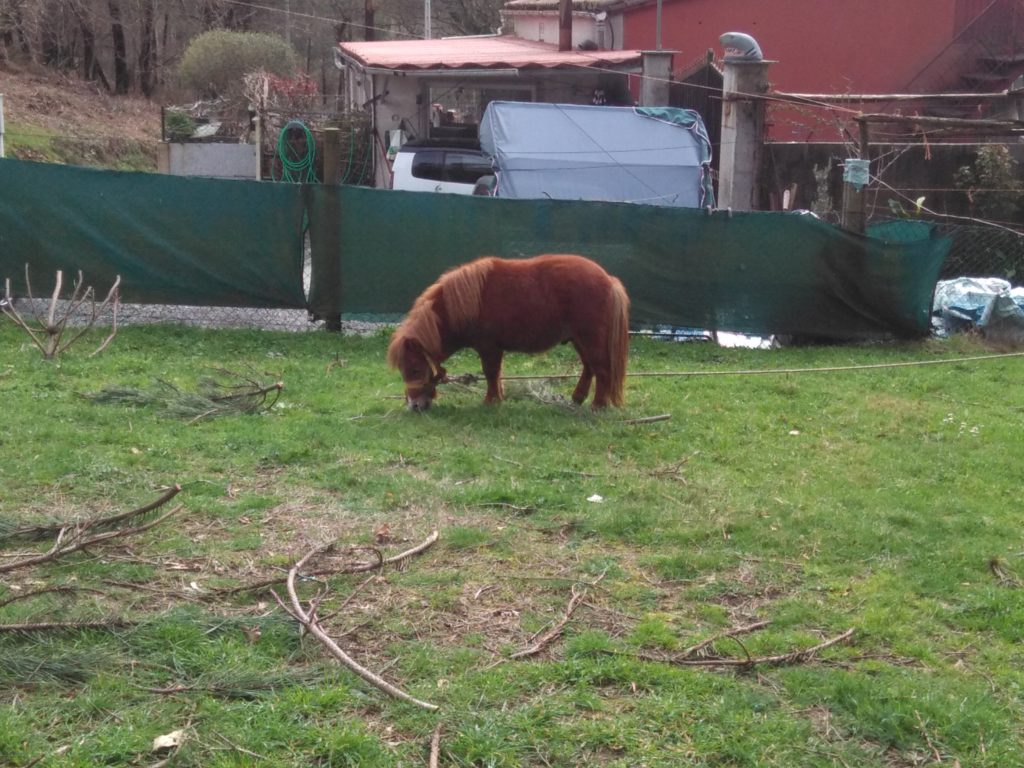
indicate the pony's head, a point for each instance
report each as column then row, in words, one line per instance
column 420, row 372
column 417, row 347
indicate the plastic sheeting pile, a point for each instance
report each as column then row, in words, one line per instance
column 989, row 304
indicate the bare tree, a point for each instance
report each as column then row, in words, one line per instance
column 148, row 61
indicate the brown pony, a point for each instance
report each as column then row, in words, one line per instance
column 521, row 305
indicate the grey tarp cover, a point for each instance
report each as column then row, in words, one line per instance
column 580, row 152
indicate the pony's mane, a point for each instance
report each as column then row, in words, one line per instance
column 460, row 290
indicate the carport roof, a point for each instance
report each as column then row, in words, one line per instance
column 487, row 52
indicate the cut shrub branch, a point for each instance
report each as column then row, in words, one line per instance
column 47, row 331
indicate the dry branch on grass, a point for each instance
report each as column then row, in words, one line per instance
column 694, row 655
column 545, row 639
column 1003, row 575
column 435, row 748
column 74, row 536
column 51, row 626
column 542, row 642
column 398, row 561
column 311, row 623
column 47, row 332
column 649, row 419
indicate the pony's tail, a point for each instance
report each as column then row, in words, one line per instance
column 618, row 342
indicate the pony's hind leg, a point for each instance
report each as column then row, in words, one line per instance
column 601, row 387
column 583, row 386
column 490, row 359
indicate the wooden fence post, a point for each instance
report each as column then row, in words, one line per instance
column 855, row 179
column 332, row 179
column 332, row 156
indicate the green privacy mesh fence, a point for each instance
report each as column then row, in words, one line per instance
column 173, row 240
column 237, row 243
column 753, row 272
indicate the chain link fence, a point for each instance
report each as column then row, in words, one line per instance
column 981, row 250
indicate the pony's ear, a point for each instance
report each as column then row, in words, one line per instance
column 440, row 373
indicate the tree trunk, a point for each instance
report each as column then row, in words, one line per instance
column 122, row 74
column 91, row 68
column 369, row 33
column 148, row 75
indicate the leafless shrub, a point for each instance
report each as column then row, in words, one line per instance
column 47, row 330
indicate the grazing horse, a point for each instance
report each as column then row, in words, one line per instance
column 496, row 305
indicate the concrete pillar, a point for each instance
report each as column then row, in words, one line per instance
column 657, row 74
column 742, row 133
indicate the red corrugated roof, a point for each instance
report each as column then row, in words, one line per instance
column 499, row 52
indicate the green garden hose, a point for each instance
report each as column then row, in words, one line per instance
column 296, row 168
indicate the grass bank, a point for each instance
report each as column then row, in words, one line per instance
column 768, row 514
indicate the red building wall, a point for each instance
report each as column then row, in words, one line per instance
column 820, row 46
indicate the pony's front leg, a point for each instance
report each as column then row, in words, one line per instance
column 583, row 386
column 491, row 361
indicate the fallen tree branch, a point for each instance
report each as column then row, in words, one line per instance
column 396, row 560
column 794, row 657
column 695, row 649
column 435, row 748
column 49, row 626
column 649, row 419
column 555, row 631
column 1003, row 575
column 72, row 538
column 541, row 643
column 61, row 590
column 37, row 532
column 309, row 621
column 685, row 659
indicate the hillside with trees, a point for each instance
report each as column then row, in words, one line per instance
column 135, row 46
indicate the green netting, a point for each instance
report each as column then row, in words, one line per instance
column 238, row 243
column 750, row 272
column 173, row 240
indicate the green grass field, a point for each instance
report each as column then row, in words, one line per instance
column 768, row 514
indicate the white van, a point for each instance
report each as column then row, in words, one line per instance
column 433, row 167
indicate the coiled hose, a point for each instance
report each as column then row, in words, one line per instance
column 295, row 166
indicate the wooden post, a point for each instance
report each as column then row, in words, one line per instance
column 855, row 177
column 742, row 144
column 258, row 134
column 332, row 180
column 332, row 156
column 565, row 25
